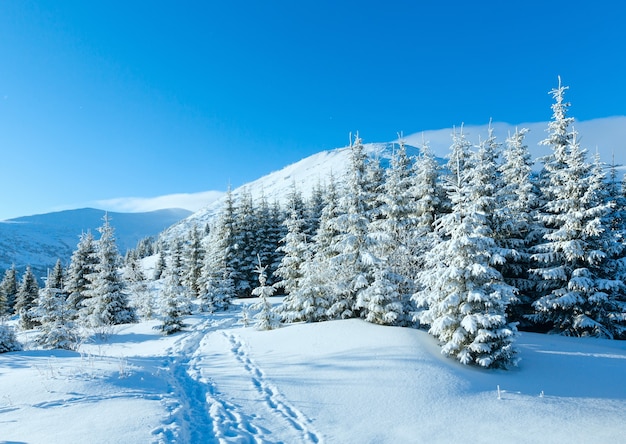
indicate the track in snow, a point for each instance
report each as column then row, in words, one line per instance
column 199, row 412
column 274, row 400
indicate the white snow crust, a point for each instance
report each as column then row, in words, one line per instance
column 333, row 382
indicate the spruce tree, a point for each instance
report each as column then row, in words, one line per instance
column 290, row 271
column 384, row 302
column 352, row 245
column 373, row 183
column 427, row 197
column 515, row 229
column 159, row 267
column 244, row 248
column 82, row 265
column 268, row 222
column 140, row 295
column 174, row 301
column 457, row 160
column 381, row 302
column 26, row 300
column 277, row 232
column 266, row 318
column 55, row 317
column 8, row 292
column 57, row 277
column 107, row 303
column 4, row 305
column 463, row 296
column 616, row 198
column 314, row 207
column 193, row 261
column 317, row 288
column 218, row 274
column 579, row 260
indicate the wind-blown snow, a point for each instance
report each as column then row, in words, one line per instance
column 333, row 382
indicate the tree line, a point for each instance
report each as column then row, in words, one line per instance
column 472, row 249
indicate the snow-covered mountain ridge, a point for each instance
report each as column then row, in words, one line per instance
column 42, row 239
column 305, row 175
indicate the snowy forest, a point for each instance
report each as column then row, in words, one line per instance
column 472, row 250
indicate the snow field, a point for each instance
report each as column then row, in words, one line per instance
column 333, row 382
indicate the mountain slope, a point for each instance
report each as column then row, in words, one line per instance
column 42, row 239
column 305, row 175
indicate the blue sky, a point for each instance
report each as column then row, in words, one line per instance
column 104, row 100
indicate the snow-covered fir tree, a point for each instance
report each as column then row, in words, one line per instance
column 4, row 305
column 277, row 231
column 381, row 302
column 463, row 296
column 269, row 232
column 145, row 247
column 55, row 316
column 457, row 160
column 107, row 302
column 317, row 288
column 392, row 227
column 427, row 197
column 353, row 260
column 295, row 225
column 8, row 338
column 160, row 266
column 266, row 317
column 26, row 300
column 245, row 318
column 177, row 262
column 616, row 198
column 141, row 297
column 193, row 261
column 218, row 274
column 294, row 248
column 174, row 300
column 579, row 259
column 296, row 251
column 313, row 210
column 373, row 183
column 82, row 265
column 57, row 277
column 244, row 247
column 514, row 226
column 8, row 292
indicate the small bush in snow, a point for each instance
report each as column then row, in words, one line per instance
column 8, row 340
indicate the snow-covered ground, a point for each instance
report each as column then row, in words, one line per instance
column 334, row 382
